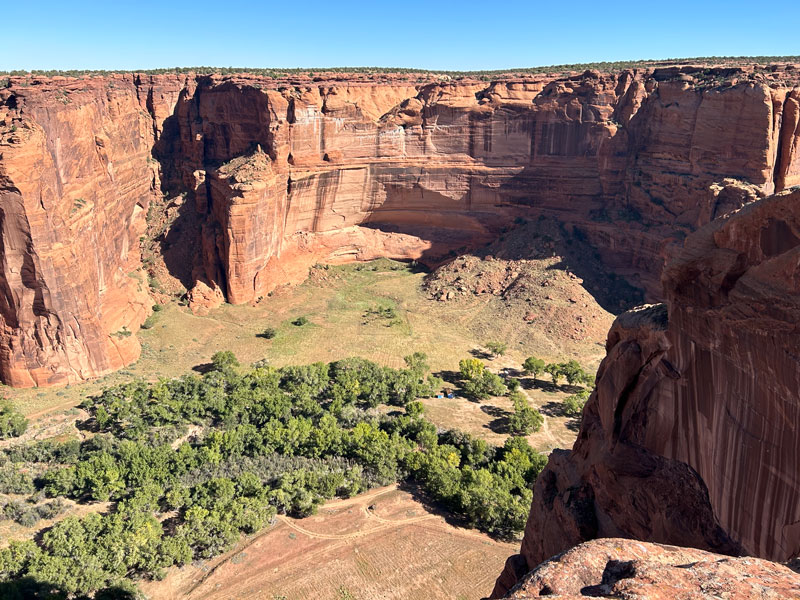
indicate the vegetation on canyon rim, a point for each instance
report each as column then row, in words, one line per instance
column 276, row 73
column 193, row 462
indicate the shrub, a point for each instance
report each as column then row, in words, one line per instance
column 269, row 333
column 300, row 321
column 224, row 360
column 14, row 481
column 417, row 362
column 525, row 418
column 50, row 510
column 497, row 348
column 573, row 405
column 383, row 312
column 415, row 409
column 12, row 423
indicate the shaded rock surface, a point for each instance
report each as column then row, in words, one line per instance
column 276, row 175
column 621, row 568
column 691, row 437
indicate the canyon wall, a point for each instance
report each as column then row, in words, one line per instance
column 691, row 437
column 636, row 160
column 273, row 176
column 76, row 177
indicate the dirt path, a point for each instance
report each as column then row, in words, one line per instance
column 385, row 524
column 66, row 405
column 364, row 501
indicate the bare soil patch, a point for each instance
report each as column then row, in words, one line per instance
column 382, row 545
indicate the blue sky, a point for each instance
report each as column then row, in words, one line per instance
column 433, row 35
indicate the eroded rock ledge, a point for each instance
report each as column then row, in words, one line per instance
column 620, row 568
column 275, row 175
column 691, row 437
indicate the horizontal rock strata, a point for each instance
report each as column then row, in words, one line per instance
column 280, row 174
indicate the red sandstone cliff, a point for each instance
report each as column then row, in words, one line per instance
column 280, row 174
column 75, row 182
column 654, row 154
column 691, row 437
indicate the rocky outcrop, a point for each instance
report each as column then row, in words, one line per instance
column 75, row 182
column 274, row 175
column 636, row 160
column 691, row 437
column 620, row 568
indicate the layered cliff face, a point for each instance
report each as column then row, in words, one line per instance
column 636, row 160
column 273, row 176
column 691, row 437
column 75, row 182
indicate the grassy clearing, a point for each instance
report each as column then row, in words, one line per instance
column 342, row 305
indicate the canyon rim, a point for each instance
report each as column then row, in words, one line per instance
column 124, row 191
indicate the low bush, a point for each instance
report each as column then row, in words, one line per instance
column 12, row 423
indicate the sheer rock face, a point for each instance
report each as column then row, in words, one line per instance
column 281, row 174
column 691, row 437
column 622, row 568
column 75, row 183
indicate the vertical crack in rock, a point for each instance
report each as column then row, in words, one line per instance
column 635, row 160
column 690, row 437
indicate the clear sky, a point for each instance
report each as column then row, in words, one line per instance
column 466, row 35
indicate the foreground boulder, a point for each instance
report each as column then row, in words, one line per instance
column 691, row 437
column 618, row 568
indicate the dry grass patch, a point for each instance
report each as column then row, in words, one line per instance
column 384, row 544
column 336, row 300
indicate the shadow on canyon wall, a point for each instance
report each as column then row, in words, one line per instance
column 512, row 223
column 177, row 238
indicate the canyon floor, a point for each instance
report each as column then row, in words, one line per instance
column 386, row 544
column 379, row 544
column 340, row 303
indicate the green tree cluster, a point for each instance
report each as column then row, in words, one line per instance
column 573, row 405
column 497, row 348
column 264, row 441
column 478, row 382
column 525, row 418
column 12, row 423
column 570, row 370
column 486, row 486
